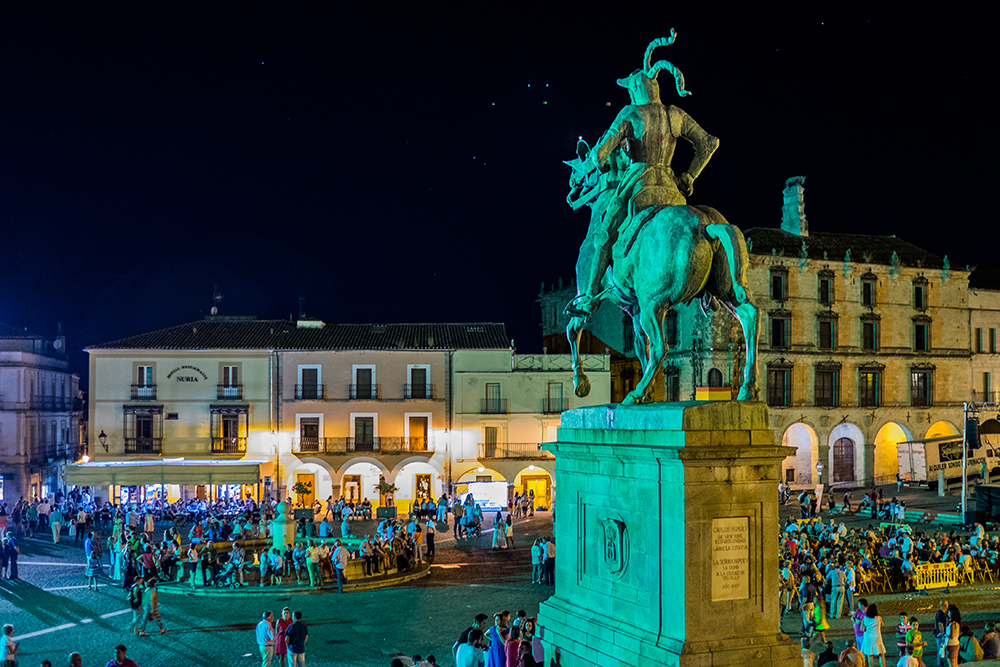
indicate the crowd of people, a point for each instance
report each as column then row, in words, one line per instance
column 505, row 643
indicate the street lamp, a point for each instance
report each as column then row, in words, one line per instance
column 819, row 471
column 103, row 437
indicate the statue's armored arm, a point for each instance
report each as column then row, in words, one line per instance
column 704, row 143
column 620, row 129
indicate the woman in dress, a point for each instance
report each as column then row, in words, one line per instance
column 495, row 656
column 512, row 648
column 509, row 533
column 497, row 531
column 871, row 644
column 280, row 642
column 952, row 631
column 787, row 586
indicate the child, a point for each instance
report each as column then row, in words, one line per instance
column 901, row 630
column 264, row 567
column 915, row 639
column 93, row 568
column 277, row 567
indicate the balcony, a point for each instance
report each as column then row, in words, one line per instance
column 364, row 392
column 315, row 445
column 374, row 445
column 415, row 444
column 412, row 391
column 310, row 392
column 493, row 406
column 512, row 450
column 229, row 445
column 52, row 403
column 144, row 392
column 552, row 406
column 229, row 392
column 143, row 445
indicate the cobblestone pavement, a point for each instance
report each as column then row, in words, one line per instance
column 54, row 613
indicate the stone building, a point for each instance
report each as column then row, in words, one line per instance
column 865, row 341
column 337, row 407
column 40, row 414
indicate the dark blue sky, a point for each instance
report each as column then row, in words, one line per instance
column 406, row 166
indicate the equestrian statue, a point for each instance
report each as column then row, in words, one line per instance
column 647, row 249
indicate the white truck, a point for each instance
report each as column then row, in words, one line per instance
column 920, row 461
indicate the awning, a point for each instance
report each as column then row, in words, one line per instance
column 169, row 471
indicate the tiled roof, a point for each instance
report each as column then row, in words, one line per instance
column 864, row 249
column 249, row 334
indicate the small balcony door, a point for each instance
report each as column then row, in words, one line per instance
column 418, row 434
column 310, row 383
column 364, row 434
column 230, row 381
column 418, row 383
column 144, row 382
column 309, row 434
column 364, row 382
column 491, row 440
column 555, row 397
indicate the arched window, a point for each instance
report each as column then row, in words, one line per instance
column 843, row 460
column 715, row 378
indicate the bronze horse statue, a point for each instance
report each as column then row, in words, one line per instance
column 665, row 256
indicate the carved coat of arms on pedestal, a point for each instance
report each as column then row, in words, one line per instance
column 615, row 545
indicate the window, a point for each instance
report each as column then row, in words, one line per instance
column 144, row 388
column 364, row 387
column 827, row 388
column 920, row 389
column 491, row 442
column 870, row 335
column 671, row 384
column 229, row 429
column 921, row 333
column 919, row 296
column 780, row 329
column 979, row 340
column 779, row 284
column 419, row 386
column 993, row 341
column 779, row 386
column 309, row 434
column 870, row 388
column 554, row 401
column 493, row 404
column 827, row 334
column 825, row 295
column 310, row 385
column 670, row 328
column 143, row 429
column 868, row 296
column 230, row 387
column 714, row 377
column 364, row 434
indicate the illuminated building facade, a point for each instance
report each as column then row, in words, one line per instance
column 40, row 412
column 336, row 407
column 865, row 342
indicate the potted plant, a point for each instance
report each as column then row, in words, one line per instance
column 385, row 489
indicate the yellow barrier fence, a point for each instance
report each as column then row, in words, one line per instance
column 935, row 575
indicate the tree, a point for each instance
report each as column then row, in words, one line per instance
column 301, row 489
column 386, row 489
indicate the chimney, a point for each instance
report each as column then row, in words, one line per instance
column 793, row 208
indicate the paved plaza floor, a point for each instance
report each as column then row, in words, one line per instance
column 54, row 613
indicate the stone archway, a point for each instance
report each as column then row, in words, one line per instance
column 799, row 469
column 940, row 429
column 846, row 455
column 886, row 464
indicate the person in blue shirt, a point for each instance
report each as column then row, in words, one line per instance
column 325, row 529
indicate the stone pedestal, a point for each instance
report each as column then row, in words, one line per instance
column 666, row 536
column 282, row 527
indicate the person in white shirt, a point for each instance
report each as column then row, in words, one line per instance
column 907, row 660
column 265, row 639
column 340, row 557
column 470, row 654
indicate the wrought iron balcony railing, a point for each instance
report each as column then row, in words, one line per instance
column 310, row 392
column 493, row 406
column 229, row 445
column 554, row 405
column 52, row 403
column 230, row 392
column 418, row 391
column 143, row 445
column 144, row 392
column 512, row 450
column 364, row 392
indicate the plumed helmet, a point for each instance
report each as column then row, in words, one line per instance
column 642, row 84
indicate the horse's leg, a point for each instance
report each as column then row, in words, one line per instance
column 746, row 313
column 581, row 384
column 735, row 248
column 653, row 324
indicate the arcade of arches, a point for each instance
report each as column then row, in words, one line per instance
column 849, row 457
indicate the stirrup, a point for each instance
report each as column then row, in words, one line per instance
column 573, row 308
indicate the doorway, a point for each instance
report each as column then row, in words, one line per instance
column 843, row 460
column 540, row 485
column 308, row 479
column 352, row 487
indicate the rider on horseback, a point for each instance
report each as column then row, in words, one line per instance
column 646, row 132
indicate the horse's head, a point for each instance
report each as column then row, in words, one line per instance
column 583, row 178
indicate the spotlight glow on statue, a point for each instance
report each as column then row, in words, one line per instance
column 646, row 249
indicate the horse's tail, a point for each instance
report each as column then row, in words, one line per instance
column 708, row 303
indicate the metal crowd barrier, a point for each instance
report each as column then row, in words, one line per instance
column 935, row 575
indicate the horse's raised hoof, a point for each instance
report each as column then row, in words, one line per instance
column 632, row 398
column 581, row 385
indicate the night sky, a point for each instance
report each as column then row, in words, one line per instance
column 405, row 166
